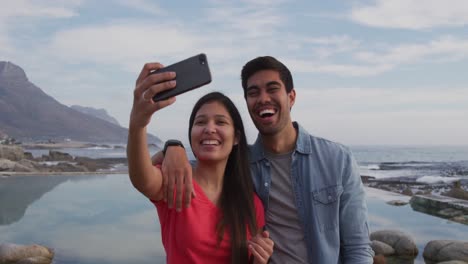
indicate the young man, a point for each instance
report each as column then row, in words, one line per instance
column 311, row 189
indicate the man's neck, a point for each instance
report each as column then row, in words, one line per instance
column 282, row 142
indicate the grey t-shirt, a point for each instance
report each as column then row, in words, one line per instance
column 282, row 220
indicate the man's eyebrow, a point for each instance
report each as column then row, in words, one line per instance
column 252, row 87
column 270, row 83
column 273, row 83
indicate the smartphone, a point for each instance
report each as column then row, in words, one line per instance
column 191, row 73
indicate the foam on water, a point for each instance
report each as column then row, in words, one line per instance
column 437, row 179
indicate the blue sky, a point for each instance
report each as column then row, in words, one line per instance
column 366, row 71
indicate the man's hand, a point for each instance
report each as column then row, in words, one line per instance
column 177, row 177
column 261, row 247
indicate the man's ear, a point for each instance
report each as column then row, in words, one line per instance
column 292, row 98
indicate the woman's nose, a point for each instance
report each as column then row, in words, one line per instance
column 210, row 128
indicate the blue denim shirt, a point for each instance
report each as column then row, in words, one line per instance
column 329, row 196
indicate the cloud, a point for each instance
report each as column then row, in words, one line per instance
column 121, row 43
column 310, row 66
column 411, row 14
column 45, row 9
column 26, row 11
column 145, row 6
column 443, row 48
column 384, row 116
column 370, row 63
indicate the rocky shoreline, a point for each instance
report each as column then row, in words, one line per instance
column 15, row 161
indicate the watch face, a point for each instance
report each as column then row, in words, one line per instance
column 172, row 142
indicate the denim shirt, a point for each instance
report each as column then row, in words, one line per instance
column 329, row 196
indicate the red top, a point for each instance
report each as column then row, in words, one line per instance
column 190, row 236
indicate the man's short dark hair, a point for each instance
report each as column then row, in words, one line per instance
column 266, row 63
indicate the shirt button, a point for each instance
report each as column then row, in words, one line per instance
column 266, row 184
column 329, row 197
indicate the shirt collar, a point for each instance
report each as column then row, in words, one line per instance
column 303, row 144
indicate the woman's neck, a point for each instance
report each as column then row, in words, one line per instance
column 209, row 177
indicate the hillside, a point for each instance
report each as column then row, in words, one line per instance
column 29, row 114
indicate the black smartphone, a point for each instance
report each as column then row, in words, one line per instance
column 191, row 73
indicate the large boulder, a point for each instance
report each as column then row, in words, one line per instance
column 11, row 152
column 8, row 165
column 381, row 248
column 453, row 262
column 57, row 156
column 445, row 250
column 25, row 254
column 402, row 243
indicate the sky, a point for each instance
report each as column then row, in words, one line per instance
column 366, row 72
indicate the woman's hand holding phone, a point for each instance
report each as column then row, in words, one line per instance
column 148, row 84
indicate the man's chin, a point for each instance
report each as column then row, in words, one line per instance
column 266, row 130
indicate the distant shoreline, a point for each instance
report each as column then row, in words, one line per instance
column 61, row 145
column 58, row 173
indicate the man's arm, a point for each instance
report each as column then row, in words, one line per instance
column 177, row 176
column 354, row 229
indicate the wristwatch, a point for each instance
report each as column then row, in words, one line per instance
column 172, row 142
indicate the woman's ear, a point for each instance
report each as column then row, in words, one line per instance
column 236, row 138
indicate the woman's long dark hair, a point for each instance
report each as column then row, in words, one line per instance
column 236, row 201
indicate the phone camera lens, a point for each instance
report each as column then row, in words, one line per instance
column 202, row 59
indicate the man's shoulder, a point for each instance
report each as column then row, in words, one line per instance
column 313, row 144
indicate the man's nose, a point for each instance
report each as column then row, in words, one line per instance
column 264, row 97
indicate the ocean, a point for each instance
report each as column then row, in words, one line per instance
column 424, row 164
column 91, row 219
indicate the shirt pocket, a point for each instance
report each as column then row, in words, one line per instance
column 327, row 207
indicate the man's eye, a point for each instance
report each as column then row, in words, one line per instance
column 252, row 93
column 273, row 89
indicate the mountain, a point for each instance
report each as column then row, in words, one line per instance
column 27, row 113
column 99, row 113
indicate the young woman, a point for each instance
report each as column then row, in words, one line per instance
column 223, row 223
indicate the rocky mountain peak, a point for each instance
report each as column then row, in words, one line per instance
column 12, row 71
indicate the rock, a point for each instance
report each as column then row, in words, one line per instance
column 379, row 259
column 407, row 191
column 463, row 219
column 28, row 155
column 450, row 213
column 11, row 152
column 457, row 192
column 8, row 165
column 59, row 156
column 402, row 243
column 24, row 254
column 34, row 260
column 381, row 248
column 397, row 203
column 445, row 250
column 67, row 167
column 453, row 262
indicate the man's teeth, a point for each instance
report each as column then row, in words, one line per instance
column 267, row 112
column 210, row 142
